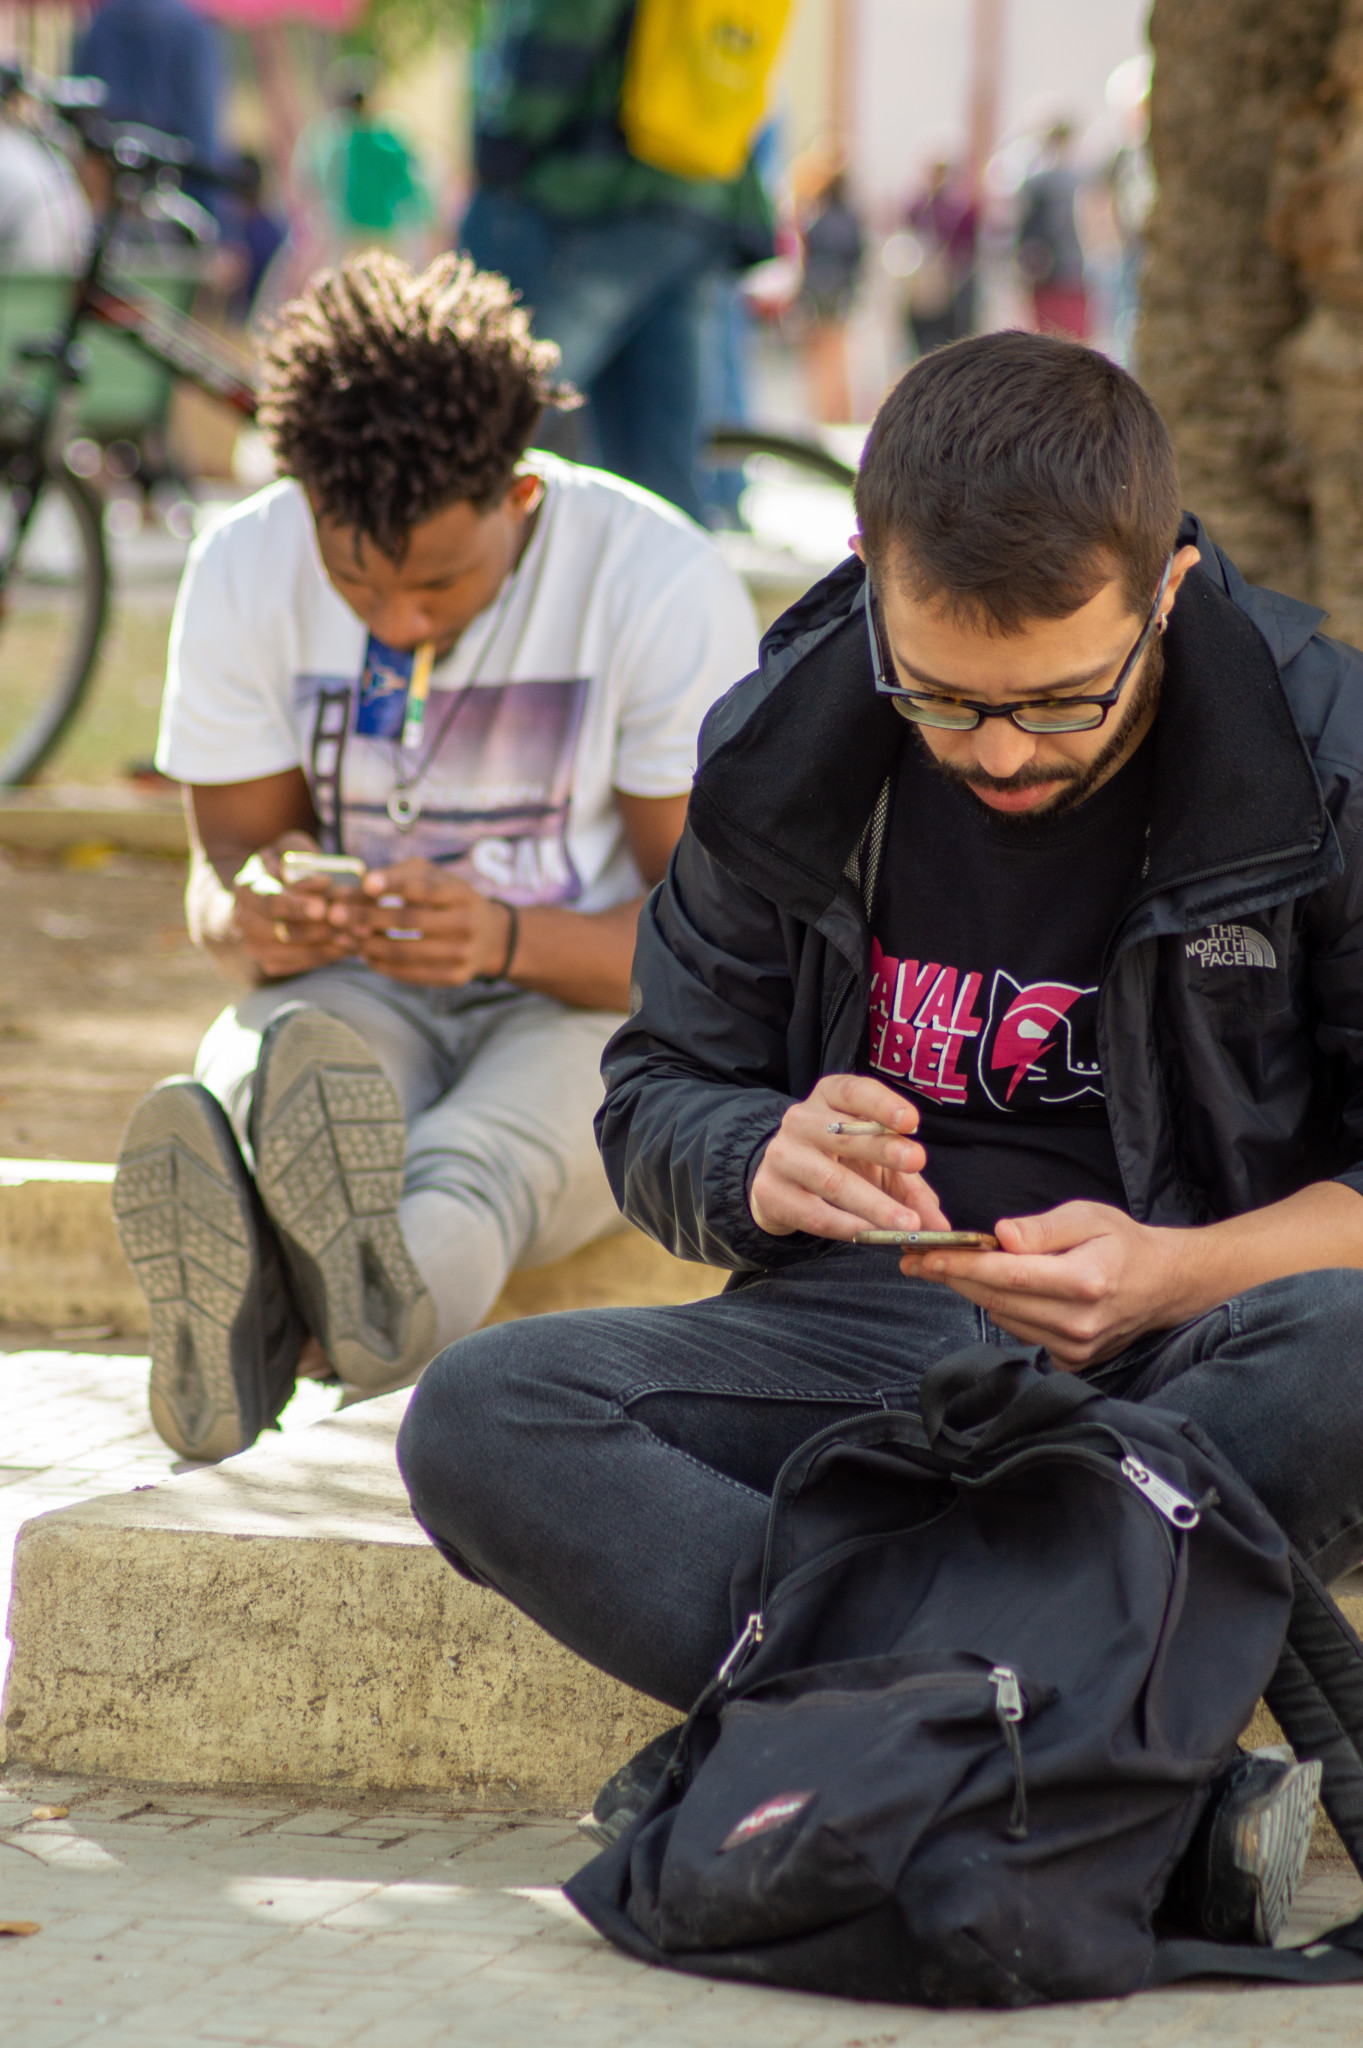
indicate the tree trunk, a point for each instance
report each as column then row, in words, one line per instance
column 1317, row 223
column 1232, row 78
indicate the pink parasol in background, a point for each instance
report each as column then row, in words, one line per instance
column 249, row 14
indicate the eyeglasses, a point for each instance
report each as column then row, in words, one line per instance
column 1036, row 714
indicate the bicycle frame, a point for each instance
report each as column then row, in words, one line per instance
column 170, row 339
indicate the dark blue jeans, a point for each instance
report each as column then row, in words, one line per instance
column 606, row 1468
column 625, row 299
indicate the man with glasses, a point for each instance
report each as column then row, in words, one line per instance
column 1021, row 893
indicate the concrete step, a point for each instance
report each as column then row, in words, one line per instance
column 281, row 1620
column 54, row 819
column 61, row 1263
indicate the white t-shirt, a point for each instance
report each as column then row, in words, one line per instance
column 591, row 670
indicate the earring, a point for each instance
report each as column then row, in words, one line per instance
column 1161, row 622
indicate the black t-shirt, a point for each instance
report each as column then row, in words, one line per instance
column 988, row 939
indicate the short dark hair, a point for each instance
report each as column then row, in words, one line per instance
column 392, row 395
column 1009, row 477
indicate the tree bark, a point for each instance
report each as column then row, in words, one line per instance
column 1236, row 84
column 1316, row 223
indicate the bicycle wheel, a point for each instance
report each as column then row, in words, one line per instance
column 789, row 497
column 51, row 617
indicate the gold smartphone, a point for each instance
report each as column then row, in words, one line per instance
column 931, row 1240
column 300, row 865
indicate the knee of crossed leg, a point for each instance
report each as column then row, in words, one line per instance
column 449, row 1449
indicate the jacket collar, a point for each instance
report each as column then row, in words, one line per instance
column 794, row 758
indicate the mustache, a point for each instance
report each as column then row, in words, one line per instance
column 1030, row 777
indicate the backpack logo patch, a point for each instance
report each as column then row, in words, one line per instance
column 1231, row 945
column 772, row 1813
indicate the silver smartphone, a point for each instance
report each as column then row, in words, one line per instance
column 931, row 1240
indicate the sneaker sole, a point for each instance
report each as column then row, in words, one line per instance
column 1270, row 1844
column 330, row 1142
column 182, row 1209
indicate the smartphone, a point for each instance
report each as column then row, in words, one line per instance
column 932, row 1240
column 305, row 866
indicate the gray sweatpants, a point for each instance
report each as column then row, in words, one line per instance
column 499, row 1088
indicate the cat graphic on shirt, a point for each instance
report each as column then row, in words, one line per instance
column 1028, row 1045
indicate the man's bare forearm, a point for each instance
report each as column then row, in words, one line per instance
column 581, row 957
column 1321, row 1225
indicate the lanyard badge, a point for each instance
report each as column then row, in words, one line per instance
column 394, row 686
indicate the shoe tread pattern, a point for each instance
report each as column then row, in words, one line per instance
column 330, row 1145
column 181, row 1223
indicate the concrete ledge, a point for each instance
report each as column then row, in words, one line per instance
column 61, row 1263
column 281, row 1620
column 52, row 821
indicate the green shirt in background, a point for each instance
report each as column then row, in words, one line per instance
column 547, row 80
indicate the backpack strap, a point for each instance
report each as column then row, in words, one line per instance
column 1316, row 1697
column 1337, row 1958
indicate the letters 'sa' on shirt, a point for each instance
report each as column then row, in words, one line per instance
column 591, row 673
column 988, row 934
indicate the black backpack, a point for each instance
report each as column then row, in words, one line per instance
column 991, row 1661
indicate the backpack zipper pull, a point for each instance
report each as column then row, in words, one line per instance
column 751, row 1636
column 1011, row 1707
column 1009, row 1704
column 1173, row 1505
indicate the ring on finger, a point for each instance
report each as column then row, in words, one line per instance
column 281, row 931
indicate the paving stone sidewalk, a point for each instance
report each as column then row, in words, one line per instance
column 168, row 1918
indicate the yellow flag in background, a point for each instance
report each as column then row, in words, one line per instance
column 696, row 82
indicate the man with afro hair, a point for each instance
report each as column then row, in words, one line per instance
column 435, row 701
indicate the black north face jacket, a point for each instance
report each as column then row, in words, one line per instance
column 1230, row 1024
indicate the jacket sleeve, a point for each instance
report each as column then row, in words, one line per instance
column 1335, row 914
column 1337, row 972
column 696, row 1081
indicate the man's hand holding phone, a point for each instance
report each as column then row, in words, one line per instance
column 1085, row 1279
column 287, row 899
column 422, row 924
column 819, row 1177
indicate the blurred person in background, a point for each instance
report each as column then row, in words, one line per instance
column 940, row 296
column 44, row 214
column 162, row 64
column 1050, row 253
column 253, row 235
column 833, row 243
column 1130, row 182
column 357, row 181
column 613, row 253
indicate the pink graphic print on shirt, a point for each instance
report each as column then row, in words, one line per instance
column 929, row 1032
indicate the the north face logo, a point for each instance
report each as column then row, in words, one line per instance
column 1231, row 945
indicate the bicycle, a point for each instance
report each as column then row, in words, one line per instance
column 52, row 546
column 783, row 509
column 53, row 559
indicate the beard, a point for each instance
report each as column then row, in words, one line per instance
column 1078, row 779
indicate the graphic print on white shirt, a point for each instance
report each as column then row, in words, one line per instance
column 495, row 780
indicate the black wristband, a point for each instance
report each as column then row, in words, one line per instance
column 513, row 939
